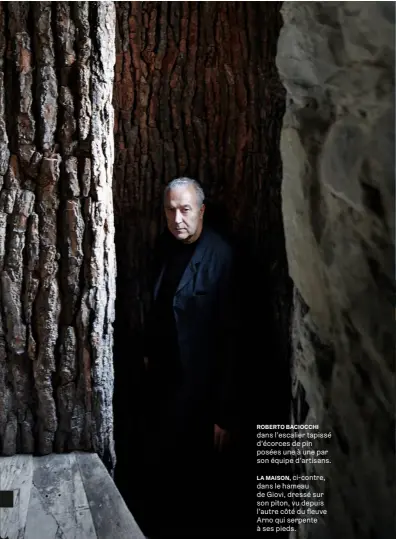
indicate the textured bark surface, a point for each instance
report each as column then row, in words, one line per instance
column 57, row 257
column 337, row 62
column 197, row 93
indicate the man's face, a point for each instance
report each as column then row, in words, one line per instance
column 183, row 213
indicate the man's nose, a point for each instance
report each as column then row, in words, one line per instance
column 178, row 216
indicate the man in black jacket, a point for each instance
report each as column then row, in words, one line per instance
column 191, row 362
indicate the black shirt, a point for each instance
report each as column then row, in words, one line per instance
column 178, row 257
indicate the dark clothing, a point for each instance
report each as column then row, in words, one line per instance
column 190, row 346
column 163, row 319
column 202, row 322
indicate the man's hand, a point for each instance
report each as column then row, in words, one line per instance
column 221, row 438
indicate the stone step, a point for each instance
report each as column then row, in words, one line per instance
column 62, row 496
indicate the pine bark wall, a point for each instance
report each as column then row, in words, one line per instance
column 196, row 93
column 57, row 259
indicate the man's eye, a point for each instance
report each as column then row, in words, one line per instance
column 186, row 210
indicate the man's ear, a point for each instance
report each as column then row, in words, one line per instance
column 202, row 210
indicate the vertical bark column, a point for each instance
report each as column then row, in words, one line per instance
column 100, row 297
column 57, row 257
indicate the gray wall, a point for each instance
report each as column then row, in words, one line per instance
column 336, row 61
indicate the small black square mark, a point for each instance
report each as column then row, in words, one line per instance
column 6, row 500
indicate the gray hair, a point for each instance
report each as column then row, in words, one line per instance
column 181, row 182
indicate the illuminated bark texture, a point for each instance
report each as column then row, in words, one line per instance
column 57, row 260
